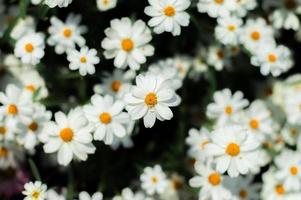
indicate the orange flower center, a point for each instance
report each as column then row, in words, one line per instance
column 12, row 109
column 294, row 170
column 255, row 35
column 229, row 110
column 30, row 88
column 169, row 11
column 105, row 118
column 29, row 48
column 231, row 27
column 33, row 126
column 3, row 130
column 151, row 99
column 127, row 44
column 280, row 189
column 219, row 1
column 83, row 59
column 154, row 180
column 66, row 134
column 233, row 149
column 35, row 194
column 67, row 32
column 3, row 152
column 214, row 179
column 115, row 86
column 254, row 124
column 243, row 194
column 272, row 58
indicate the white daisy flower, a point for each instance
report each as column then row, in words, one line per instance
column 256, row 31
column 30, row 130
column 116, row 84
column 83, row 60
column 225, row 106
column 153, row 180
column 217, row 57
column 289, row 169
column 15, row 106
column 64, row 36
column 243, row 6
column 70, row 136
column 232, row 147
column 210, row 183
column 291, row 133
column 168, row 15
column 228, row 30
column 85, row 196
column 127, row 42
column 151, row 98
column 104, row 5
column 30, row 48
column 58, row 3
column 35, row 191
column 272, row 59
column 107, row 117
column 128, row 194
column 216, row 8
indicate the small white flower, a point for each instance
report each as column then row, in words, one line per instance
column 151, row 99
column 232, row 147
column 127, row 42
column 228, row 30
column 83, row 60
column 216, row 8
column 57, row 3
column 85, row 196
column 153, row 180
column 272, row 59
column 291, row 133
column 168, row 15
column 217, row 57
column 243, row 6
column 23, row 27
column 35, row 191
column 107, row 117
column 64, row 36
column 226, row 105
column 30, row 48
column 104, row 5
column 69, row 136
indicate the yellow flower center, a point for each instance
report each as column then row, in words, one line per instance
column 243, row 194
column 280, row 189
column 154, row 180
column 294, row 170
column 219, row 1
column 231, row 27
column 229, row 110
column 293, row 132
column 272, row 58
column 233, row 149
column 30, row 88
column 83, row 59
column 105, row 2
column 169, row 11
column 66, row 134
column 35, row 194
column 105, row 118
column 33, row 126
column 255, row 35
column 151, row 99
column 12, row 109
column 67, row 32
column 127, row 44
column 29, row 48
column 3, row 152
column 3, row 130
column 214, row 179
column 115, row 86
column 254, row 124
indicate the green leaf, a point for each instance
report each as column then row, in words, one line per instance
column 23, row 5
column 34, row 170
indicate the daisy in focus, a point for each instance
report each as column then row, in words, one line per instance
column 83, row 60
column 232, row 148
column 228, row 30
column 66, row 35
column 107, row 117
column 70, row 136
column 127, row 42
column 35, row 191
column 151, row 98
column 168, row 15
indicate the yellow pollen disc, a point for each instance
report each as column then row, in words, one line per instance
column 228, row 110
column 203, row 144
column 35, row 194
column 83, row 59
column 29, row 48
column 255, row 35
column 115, row 86
column 3, row 130
column 280, row 189
column 105, row 118
column 243, row 194
column 233, row 149
column 151, row 99
column 30, row 88
column 219, row 1
column 105, row 2
column 66, row 134
column 33, row 126
column 214, row 179
column 272, row 58
column 254, row 124
column 293, row 132
column 127, row 44
column 3, row 152
column 67, row 32
column 177, row 184
column 294, row 170
column 231, row 27
column 12, row 109
column 154, row 180
column 169, row 11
